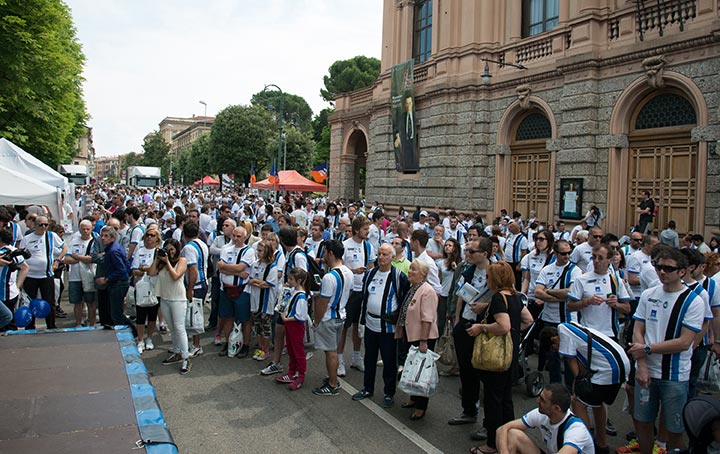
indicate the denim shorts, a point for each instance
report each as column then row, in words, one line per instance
column 76, row 295
column 236, row 308
column 672, row 394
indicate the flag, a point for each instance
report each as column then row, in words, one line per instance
column 273, row 174
column 252, row 173
column 320, row 172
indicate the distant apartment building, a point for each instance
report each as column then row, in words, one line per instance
column 86, row 152
column 182, row 132
column 107, row 167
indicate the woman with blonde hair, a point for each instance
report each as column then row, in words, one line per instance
column 263, row 296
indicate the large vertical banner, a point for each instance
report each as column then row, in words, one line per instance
column 227, row 181
column 404, row 125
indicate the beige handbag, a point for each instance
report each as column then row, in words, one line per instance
column 492, row 353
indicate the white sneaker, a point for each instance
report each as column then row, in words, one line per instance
column 309, row 355
column 379, row 363
column 358, row 364
column 341, row 369
column 140, row 347
column 149, row 344
column 196, row 351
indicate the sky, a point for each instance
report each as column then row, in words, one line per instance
column 151, row 59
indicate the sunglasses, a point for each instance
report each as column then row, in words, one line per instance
column 665, row 268
column 43, row 225
column 635, row 239
column 600, row 257
column 540, row 239
column 597, row 236
column 472, row 251
column 564, row 254
column 150, row 235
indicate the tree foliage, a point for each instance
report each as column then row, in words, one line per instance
column 130, row 160
column 319, row 123
column 299, row 150
column 239, row 137
column 156, row 152
column 350, row 75
column 41, row 105
column 322, row 147
column 194, row 162
column 296, row 111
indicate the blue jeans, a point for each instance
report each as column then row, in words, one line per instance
column 116, row 298
column 672, row 394
column 6, row 316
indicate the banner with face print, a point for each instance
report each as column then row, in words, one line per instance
column 404, row 123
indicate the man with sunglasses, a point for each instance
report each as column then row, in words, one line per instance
column 634, row 246
column 582, row 254
column 48, row 251
column 667, row 321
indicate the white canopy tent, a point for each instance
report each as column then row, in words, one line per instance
column 19, row 160
column 18, row 189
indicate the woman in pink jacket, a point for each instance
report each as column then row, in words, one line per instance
column 417, row 322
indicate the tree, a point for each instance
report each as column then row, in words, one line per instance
column 130, row 160
column 156, row 152
column 299, row 150
column 296, row 111
column 41, row 105
column 319, row 123
column 322, row 148
column 350, row 75
column 239, row 137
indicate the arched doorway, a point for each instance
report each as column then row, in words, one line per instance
column 662, row 159
column 532, row 166
column 357, row 150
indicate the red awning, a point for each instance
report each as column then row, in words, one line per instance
column 207, row 181
column 290, row 180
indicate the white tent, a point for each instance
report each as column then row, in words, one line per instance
column 17, row 159
column 18, row 189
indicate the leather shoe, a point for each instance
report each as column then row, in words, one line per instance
column 462, row 419
column 479, row 435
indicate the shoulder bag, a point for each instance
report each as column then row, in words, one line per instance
column 493, row 353
column 583, row 385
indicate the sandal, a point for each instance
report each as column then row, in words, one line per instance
column 409, row 404
column 485, row 449
column 415, row 416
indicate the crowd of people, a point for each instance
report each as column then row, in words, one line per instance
column 637, row 311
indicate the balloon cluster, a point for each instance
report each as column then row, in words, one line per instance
column 38, row 308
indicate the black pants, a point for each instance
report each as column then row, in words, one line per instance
column 421, row 402
column 103, row 303
column 214, row 302
column 469, row 378
column 46, row 286
column 116, row 298
column 518, row 274
column 442, row 314
column 386, row 344
column 497, row 401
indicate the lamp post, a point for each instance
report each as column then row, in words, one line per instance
column 205, row 114
column 284, row 136
column 486, row 74
column 280, row 129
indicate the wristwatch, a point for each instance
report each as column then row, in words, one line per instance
column 648, row 350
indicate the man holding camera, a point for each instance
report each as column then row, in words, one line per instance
column 13, row 271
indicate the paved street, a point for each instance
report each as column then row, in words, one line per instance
column 224, row 405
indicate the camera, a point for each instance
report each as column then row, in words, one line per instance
column 10, row 256
column 162, row 252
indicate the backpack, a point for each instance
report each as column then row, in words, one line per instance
column 316, row 273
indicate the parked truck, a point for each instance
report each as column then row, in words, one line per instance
column 76, row 174
column 144, row 177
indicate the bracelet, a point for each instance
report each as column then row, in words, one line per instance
column 484, row 329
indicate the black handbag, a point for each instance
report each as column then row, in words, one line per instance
column 583, row 384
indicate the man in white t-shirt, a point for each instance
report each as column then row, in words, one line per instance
column 329, row 316
column 561, row 431
column 600, row 295
column 667, row 320
column 582, row 254
column 639, row 260
column 634, row 246
column 375, row 236
column 359, row 256
column 299, row 216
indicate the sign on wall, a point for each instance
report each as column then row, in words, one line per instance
column 571, row 194
column 404, row 123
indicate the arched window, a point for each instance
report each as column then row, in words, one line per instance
column 534, row 126
column 665, row 110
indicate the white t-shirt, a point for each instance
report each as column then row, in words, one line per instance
column 136, row 234
column 375, row 302
column 311, row 246
column 357, row 256
column 229, row 255
column 336, row 286
column 608, row 357
column 8, row 281
column 555, row 312
column 515, row 245
column 576, row 434
column 598, row 316
column 80, row 247
column 582, row 255
column 375, row 236
column 142, row 257
column 433, row 277
column 534, row 263
column 648, row 278
column 301, row 218
column 479, row 282
column 192, row 252
column 656, row 309
column 40, row 261
column 263, row 299
column 635, row 263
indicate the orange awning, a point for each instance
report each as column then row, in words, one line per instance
column 290, row 180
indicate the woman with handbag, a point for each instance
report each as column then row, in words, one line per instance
column 417, row 322
column 505, row 316
column 146, row 302
column 170, row 269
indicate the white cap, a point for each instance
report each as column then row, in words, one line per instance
column 423, row 213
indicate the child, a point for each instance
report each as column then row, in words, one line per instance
column 294, row 317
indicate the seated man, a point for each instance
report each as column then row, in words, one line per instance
column 561, row 431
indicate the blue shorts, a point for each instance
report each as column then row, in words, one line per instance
column 76, row 295
column 237, row 308
column 672, row 394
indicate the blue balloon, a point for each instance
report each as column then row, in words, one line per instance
column 23, row 317
column 39, row 308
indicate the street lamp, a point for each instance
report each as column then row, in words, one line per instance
column 205, row 115
column 486, row 74
column 280, row 127
column 284, row 136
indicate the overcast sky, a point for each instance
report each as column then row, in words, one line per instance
column 149, row 59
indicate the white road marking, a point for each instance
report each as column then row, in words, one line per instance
column 404, row 430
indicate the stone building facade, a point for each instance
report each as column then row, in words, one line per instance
column 513, row 97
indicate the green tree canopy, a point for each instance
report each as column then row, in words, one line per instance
column 41, row 105
column 299, row 150
column 322, row 147
column 319, row 122
column 350, row 75
column 156, row 152
column 239, row 137
column 296, row 111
